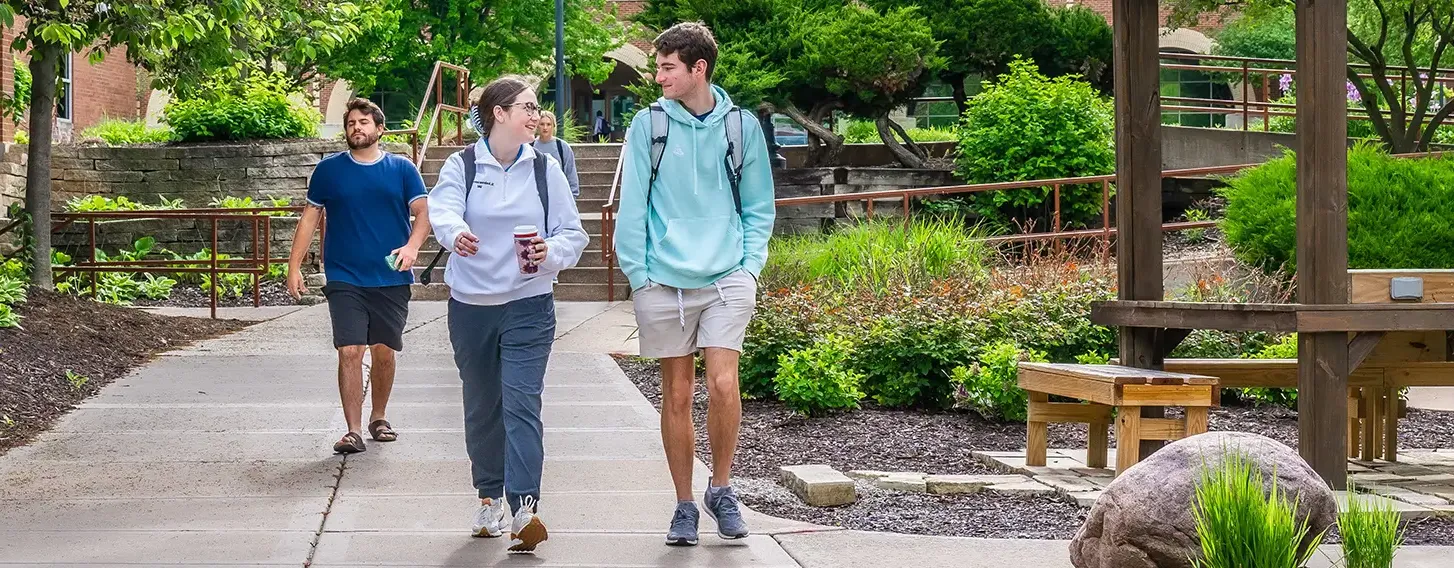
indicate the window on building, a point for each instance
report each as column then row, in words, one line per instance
column 1193, row 88
column 63, row 98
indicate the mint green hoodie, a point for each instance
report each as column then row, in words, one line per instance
column 690, row 235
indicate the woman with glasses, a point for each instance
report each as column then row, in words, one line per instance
column 507, row 215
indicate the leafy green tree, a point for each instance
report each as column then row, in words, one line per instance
column 295, row 39
column 1401, row 41
column 1269, row 34
column 148, row 29
column 488, row 37
column 1028, row 127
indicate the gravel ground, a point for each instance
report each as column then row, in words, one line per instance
column 942, row 442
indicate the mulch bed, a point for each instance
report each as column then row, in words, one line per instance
column 942, row 442
column 192, row 296
column 100, row 342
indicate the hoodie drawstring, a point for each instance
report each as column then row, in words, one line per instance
column 682, row 304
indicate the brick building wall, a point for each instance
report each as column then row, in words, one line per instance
column 105, row 90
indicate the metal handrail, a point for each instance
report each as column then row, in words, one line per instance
column 255, row 264
column 906, row 195
column 608, row 228
column 436, row 88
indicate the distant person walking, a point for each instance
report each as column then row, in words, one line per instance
column 369, row 196
column 696, row 214
column 506, row 213
column 547, row 142
column 601, row 128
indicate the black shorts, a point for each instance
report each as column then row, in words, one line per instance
column 368, row 316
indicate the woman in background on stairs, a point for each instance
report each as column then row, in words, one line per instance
column 546, row 141
column 502, row 319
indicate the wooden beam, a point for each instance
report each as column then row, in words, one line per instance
column 1196, row 315
column 1322, row 231
column 1361, row 346
column 1137, row 77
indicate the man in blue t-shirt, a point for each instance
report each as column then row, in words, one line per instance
column 368, row 257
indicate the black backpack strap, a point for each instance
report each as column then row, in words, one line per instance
column 560, row 149
column 735, row 155
column 660, row 128
column 543, row 188
column 467, row 155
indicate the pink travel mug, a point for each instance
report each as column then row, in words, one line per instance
column 524, row 235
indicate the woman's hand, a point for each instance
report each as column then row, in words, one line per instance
column 538, row 250
column 466, row 244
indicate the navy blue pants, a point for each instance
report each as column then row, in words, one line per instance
column 501, row 352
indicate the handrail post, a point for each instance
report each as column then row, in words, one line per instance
column 93, row 256
column 213, row 271
column 1246, row 110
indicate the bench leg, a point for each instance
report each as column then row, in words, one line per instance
column 1037, row 434
column 1353, row 425
column 1096, row 453
column 1196, row 420
column 1128, row 437
column 1369, row 414
column 1390, row 424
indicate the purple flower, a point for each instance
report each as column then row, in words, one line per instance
column 1285, row 83
column 1353, row 94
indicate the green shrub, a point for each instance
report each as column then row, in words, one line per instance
column 879, row 256
column 259, row 110
column 1399, row 212
column 231, row 202
column 991, row 386
column 785, row 322
column 1371, row 532
column 22, row 137
column 907, row 358
column 127, row 132
column 120, row 203
column 17, row 102
column 866, row 132
column 156, row 287
column 1267, row 34
column 8, row 317
column 1029, row 127
column 12, row 290
column 1242, row 523
column 819, row 379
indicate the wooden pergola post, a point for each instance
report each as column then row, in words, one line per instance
column 1322, row 231
column 1138, row 179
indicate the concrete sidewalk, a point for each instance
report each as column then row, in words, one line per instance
column 220, row 455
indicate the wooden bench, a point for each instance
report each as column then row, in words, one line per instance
column 1106, row 388
column 1374, row 406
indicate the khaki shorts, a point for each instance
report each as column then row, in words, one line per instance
column 676, row 323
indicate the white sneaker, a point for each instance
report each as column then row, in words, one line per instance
column 490, row 519
column 526, row 531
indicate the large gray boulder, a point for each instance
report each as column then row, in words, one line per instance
column 1144, row 519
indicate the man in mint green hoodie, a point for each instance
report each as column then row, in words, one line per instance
column 696, row 215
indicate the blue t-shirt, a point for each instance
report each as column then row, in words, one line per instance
column 367, row 216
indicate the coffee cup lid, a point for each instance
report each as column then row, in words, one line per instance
column 526, row 230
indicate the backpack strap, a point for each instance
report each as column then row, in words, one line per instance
column 467, row 157
column 560, row 149
column 735, row 155
column 660, row 127
column 543, row 189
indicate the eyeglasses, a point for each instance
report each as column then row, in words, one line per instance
column 530, row 108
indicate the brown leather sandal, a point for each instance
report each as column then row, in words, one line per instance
column 382, row 431
column 351, row 443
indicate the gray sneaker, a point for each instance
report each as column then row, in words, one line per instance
column 721, row 504
column 683, row 525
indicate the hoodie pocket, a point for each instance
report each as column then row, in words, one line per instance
column 700, row 247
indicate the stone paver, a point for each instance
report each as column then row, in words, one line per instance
column 819, row 485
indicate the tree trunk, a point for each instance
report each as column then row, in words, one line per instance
column 37, row 172
column 907, row 157
column 817, row 133
column 961, row 97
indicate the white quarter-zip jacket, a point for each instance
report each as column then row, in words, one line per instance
column 504, row 197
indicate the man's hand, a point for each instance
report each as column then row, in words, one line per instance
column 405, row 257
column 296, row 287
column 466, row 244
column 538, row 250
